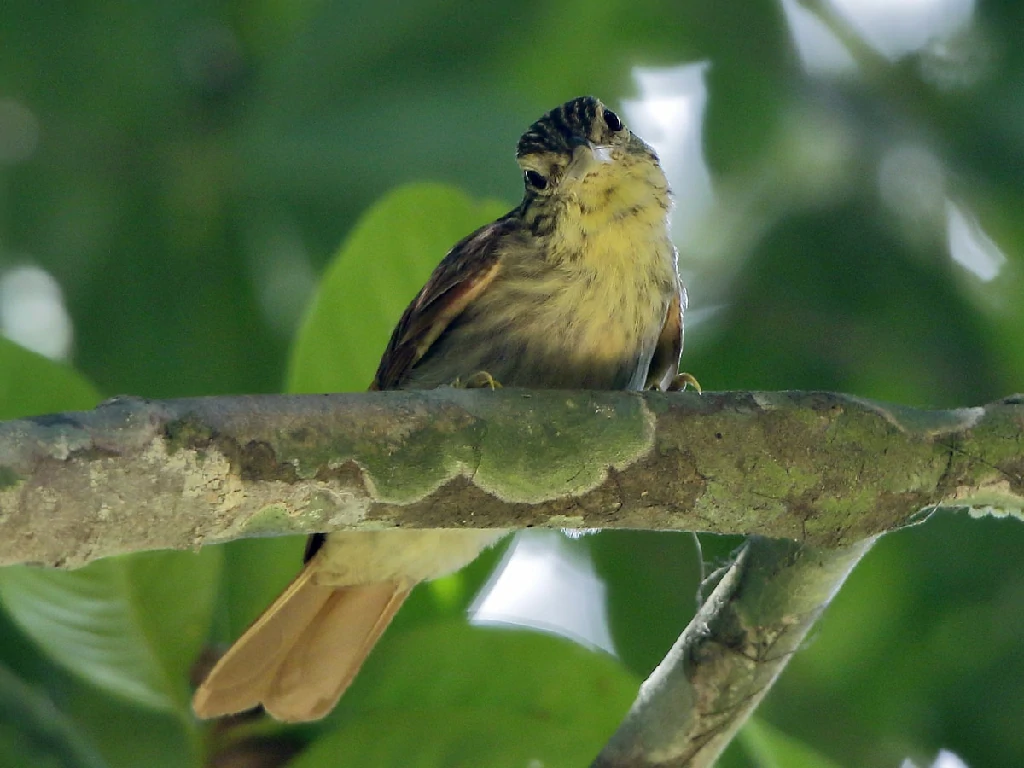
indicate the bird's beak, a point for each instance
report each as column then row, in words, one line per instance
column 587, row 157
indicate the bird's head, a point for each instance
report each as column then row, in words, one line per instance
column 580, row 160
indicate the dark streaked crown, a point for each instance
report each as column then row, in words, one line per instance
column 554, row 132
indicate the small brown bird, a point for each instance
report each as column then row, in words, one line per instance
column 575, row 288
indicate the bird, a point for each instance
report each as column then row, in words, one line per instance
column 577, row 287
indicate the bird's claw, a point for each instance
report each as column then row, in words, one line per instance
column 682, row 381
column 479, row 380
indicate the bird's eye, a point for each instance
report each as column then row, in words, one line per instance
column 535, row 180
column 612, row 120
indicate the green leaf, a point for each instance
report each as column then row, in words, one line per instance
column 126, row 734
column 174, row 594
column 85, row 621
column 383, row 263
column 33, row 732
column 130, row 625
column 256, row 571
column 769, row 747
column 452, row 695
column 31, row 384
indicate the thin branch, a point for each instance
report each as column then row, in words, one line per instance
column 726, row 660
column 824, row 469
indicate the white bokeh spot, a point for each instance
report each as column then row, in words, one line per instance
column 32, row 311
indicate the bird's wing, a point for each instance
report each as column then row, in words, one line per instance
column 665, row 362
column 460, row 278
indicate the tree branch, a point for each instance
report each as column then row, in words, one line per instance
column 726, row 660
column 824, row 469
column 821, row 474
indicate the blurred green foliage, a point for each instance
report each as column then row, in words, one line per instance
column 360, row 299
column 487, row 696
column 120, row 623
column 184, row 173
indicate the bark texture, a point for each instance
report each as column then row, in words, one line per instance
column 726, row 660
column 822, row 469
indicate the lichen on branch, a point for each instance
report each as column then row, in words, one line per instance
column 823, row 469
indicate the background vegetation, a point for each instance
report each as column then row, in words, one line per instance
column 175, row 178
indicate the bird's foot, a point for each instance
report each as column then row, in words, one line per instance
column 479, row 380
column 682, row 381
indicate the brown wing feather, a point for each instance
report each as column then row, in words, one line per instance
column 463, row 275
column 665, row 363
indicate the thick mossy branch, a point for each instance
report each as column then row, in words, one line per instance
column 824, row 469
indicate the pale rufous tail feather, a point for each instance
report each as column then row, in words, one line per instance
column 302, row 653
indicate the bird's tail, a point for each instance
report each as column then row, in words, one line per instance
column 302, row 653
